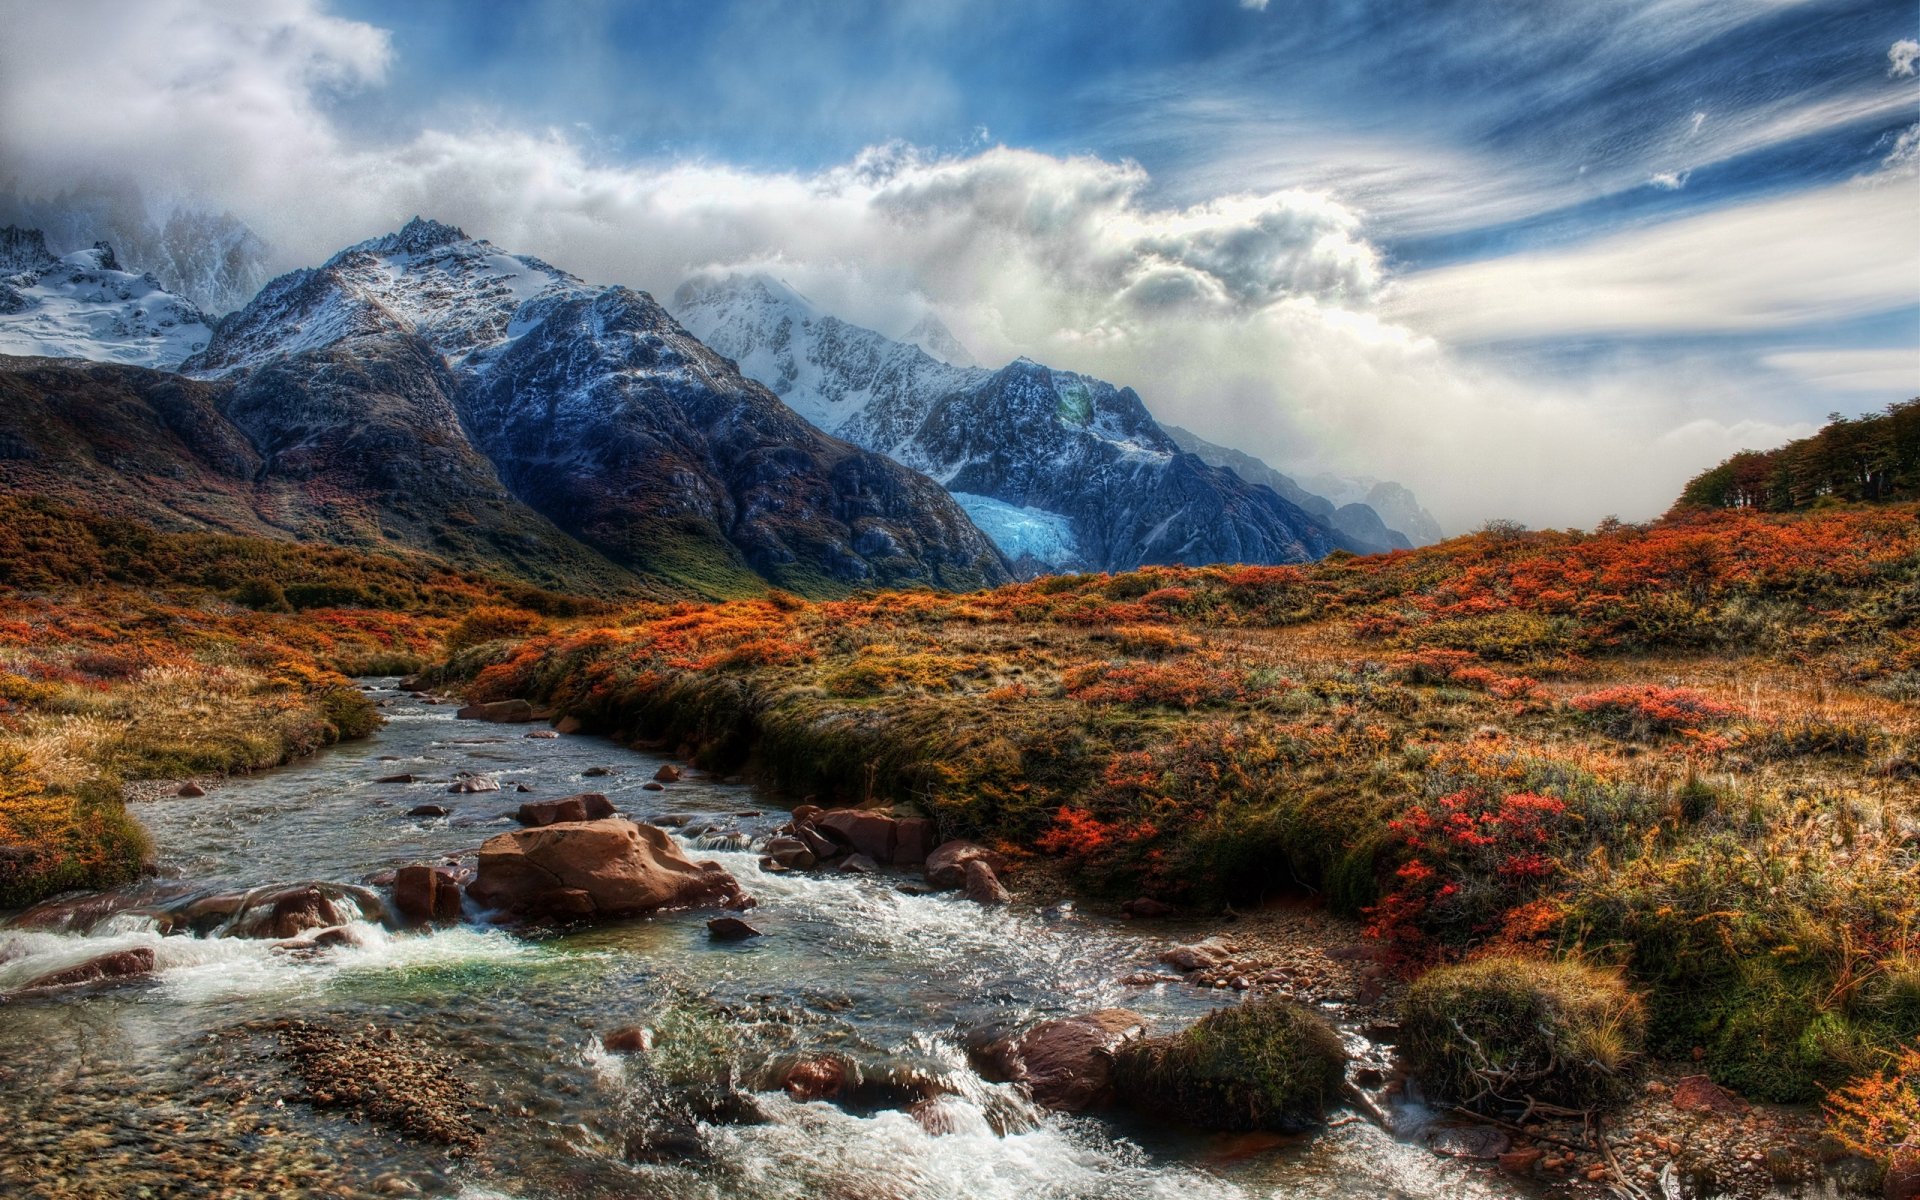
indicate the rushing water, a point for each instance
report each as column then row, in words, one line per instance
column 174, row 1088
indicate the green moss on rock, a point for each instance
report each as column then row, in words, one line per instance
column 1267, row 1064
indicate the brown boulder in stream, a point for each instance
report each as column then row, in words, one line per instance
column 422, row 893
column 504, row 711
column 947, row 865
column 868, row 833
column 982, row 885
column 587, row 806
column 605, row 868
column 1066, row 1064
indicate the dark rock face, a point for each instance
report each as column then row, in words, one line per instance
column 1080, row 447
column 355, row 445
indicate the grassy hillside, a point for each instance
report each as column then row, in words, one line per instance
column 1689, row 748
column 127, row 653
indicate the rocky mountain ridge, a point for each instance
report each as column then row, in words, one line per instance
column 1065, row 471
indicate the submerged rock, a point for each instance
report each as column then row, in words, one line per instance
column 288, row 912
column 731, row 929
column 630, row 1039
column 118, row 966
column 467, row 785
column 390, row 1079
column 605, row 868
column 503, row 711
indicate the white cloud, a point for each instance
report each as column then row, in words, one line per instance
column 1254, row 5
column 1671, row 181
column 1258, row 316
column 1824, row 254
column 1888, row 372
column 1901, row 56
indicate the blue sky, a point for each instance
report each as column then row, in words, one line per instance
column 1539, row 259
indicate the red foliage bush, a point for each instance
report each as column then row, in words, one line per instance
column 1469, row 858
column 1647, row 711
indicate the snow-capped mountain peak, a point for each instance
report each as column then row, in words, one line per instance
column 83, row 305
column 464, row 296
column 1063, row 471
column 931, row 334
column 418, row 236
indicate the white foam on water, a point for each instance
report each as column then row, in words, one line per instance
column 195, row 970
column 947, row 933
column 808, row 1149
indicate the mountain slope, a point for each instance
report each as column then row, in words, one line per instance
column 600, row 412
column 85, row 306
column 325, row 447
column 1066, row 472
column 1368, row 510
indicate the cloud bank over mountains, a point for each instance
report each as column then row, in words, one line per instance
column 1268, row 317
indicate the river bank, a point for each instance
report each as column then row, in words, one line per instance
column 181, row 1082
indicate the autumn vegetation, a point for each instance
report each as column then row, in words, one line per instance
column 1683, row 757
column 129, row 654
column 1873, row 457
column 1684, row 754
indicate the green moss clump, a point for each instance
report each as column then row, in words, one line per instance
column 1266, row 1064
column 1500, row 1032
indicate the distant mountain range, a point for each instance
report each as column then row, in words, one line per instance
column 1064, row 471
column 210, row 259
column 428, row 391
column 82, row 305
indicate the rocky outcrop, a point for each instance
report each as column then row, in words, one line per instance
column 594, row 869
